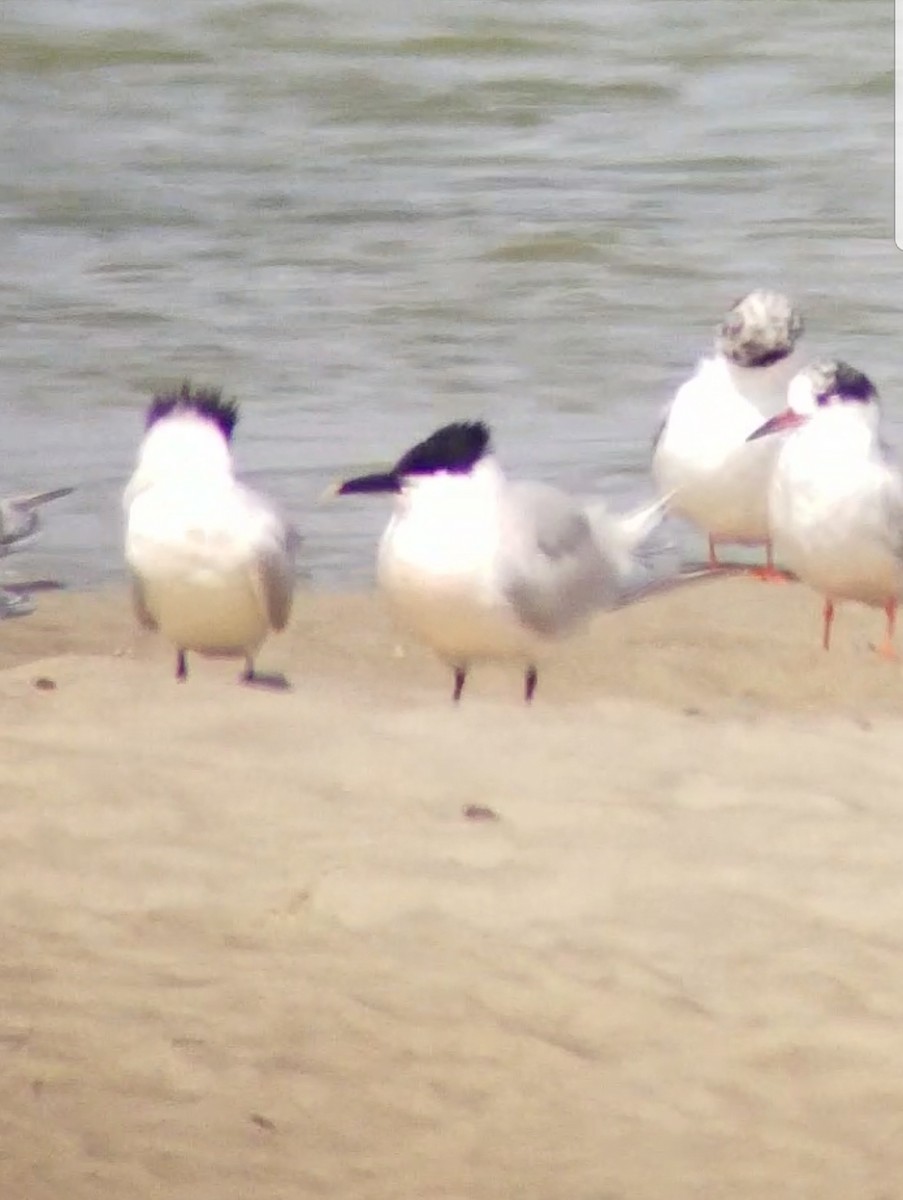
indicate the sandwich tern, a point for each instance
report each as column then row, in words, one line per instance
column 701, row 454
column 479, row 567
column 836, row 495
column 211, row 561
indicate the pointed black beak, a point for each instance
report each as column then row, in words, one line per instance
column 788, row 419
column 366, row 484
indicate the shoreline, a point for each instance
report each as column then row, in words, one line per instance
column 641, row 939
column 730, row 647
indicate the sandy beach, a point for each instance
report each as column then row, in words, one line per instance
column 254, row 945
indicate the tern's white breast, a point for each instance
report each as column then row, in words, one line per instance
column 836, row 512
column 438, row 566
column 720, row 480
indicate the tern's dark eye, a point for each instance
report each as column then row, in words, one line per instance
column 824, row 399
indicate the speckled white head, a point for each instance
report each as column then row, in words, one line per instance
column 759, row 330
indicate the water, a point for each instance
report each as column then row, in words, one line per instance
column 366, row 219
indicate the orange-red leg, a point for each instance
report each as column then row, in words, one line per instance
column 770, row 573
column 887, row 648
column 829, row 621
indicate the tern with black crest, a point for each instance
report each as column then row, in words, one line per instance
column 479, row 567
column 211, row 561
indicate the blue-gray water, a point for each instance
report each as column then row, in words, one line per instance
column 365, row 219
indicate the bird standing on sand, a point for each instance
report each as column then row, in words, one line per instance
column 20, row 518
column 720, row 480
column 20, row 523
column 479, row 567
column 211, row 561
column 836, row 496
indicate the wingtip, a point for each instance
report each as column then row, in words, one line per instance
column 684, row 576
column 36, row 499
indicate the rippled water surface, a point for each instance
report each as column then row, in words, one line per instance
column 366, row 219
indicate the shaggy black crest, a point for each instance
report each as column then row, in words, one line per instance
column 850, row 385
column 206, row 402
column 454, row 448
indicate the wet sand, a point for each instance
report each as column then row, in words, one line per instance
column 254, row 945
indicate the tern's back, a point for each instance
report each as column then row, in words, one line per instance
column 211, row 561
column 178, row 527
column 182, row 509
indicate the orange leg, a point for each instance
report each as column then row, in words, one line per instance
column 770, row 573
column 887, row 649
column 829, row 621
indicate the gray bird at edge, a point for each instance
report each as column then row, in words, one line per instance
column 20, row 523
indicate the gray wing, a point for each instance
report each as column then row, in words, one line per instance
column 891, row 509
column 139, row 603
column 16, row 524
column 553, row 570
column 660, row 426
column 276, row 574
column 19, row 518
column 275, row 564
column 36, row 499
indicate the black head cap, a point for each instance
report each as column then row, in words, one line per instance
column 844, row 383
column 454, row 448
column 205, row 402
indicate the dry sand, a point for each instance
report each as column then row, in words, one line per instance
column 253, row 947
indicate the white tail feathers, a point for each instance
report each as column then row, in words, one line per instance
column 637, row 525
column 623, row 534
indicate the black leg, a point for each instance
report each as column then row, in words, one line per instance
column 530, row 677
column 460, row 676
column 181, row 666
column 271, row 681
